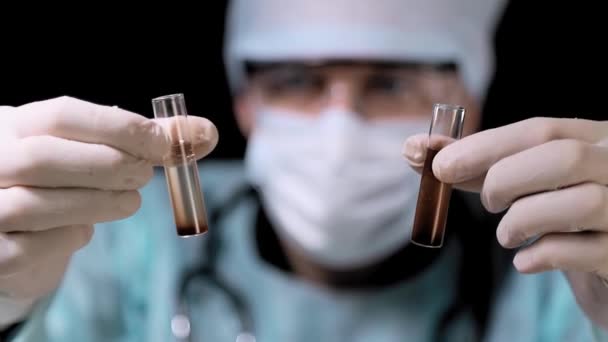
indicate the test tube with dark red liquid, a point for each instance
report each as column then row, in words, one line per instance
column 181, row 170
column 434, row 196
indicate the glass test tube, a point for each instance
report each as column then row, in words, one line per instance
column 434, row 196
column 181, row 169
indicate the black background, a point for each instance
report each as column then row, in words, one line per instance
column 549, row 61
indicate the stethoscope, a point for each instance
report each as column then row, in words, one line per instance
column 181, row 323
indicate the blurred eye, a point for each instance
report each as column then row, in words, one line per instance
column 387, row 84
column 294, row 81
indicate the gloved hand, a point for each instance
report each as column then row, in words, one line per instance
column 66, row 164
column 551, row 176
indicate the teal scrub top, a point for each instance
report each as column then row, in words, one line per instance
column 123, row 285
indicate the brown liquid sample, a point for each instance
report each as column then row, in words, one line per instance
column 432, row 207
column 185, row 192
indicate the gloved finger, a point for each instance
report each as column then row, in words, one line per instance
column 472, row 156
column 34, row 209
column 415, row 148
column 38, row 279
column 473, row 185
column 83, row 121
column 74, row 119
column 20, row 251
column 585, row 251
column 414, row 151
column 47, row 161
column 202, row 133
column 581, row 207
column 549, row 166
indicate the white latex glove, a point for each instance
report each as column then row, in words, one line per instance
column 551, row 175
column 66, row 164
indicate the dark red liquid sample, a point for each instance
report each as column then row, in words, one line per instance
column 186, row 231
column 432, row 207
column 185, row 192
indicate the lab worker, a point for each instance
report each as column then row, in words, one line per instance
column 308, row 235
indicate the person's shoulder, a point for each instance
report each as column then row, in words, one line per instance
column 221, row 172
column 545, row 302
column 153, row 223
column 218, row 178
column 539, row 287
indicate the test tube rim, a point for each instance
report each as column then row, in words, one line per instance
column 447, row 106
column 168, row 97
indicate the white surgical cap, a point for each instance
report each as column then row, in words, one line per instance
column 458, row 31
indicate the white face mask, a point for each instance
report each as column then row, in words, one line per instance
column 334, row 185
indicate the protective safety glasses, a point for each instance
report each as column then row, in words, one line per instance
column 375, row 91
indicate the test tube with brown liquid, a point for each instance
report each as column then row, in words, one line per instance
column 434, row 196
column 181, row 170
